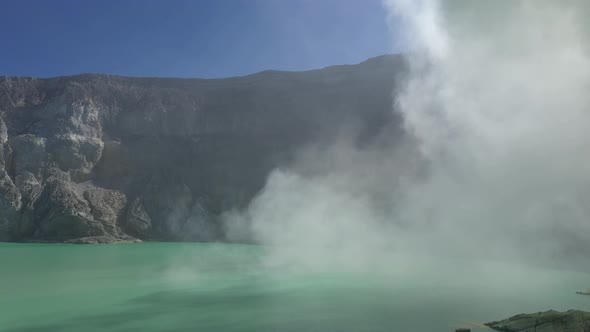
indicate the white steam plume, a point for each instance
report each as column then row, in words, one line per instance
column 502, row 111
column 498, row 98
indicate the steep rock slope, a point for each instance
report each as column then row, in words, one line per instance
column 100, row 158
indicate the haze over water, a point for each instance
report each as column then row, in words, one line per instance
column 225, row 287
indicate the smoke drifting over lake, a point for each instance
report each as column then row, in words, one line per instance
column 495, row 161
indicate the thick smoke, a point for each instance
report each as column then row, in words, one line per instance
column 498, row 101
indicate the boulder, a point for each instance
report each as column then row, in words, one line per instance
column 62, row 213
column 106, row 206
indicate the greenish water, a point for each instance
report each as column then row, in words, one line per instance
column 223, row 287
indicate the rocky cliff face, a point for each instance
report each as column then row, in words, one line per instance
column 103, row 158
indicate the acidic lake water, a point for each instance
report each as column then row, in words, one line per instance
column 224, row 287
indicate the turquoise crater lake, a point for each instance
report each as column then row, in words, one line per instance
column 229, row 287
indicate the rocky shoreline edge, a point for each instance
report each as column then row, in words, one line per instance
column 99, row 239
column 548, row 321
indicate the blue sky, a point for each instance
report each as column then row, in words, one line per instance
column 187, row 38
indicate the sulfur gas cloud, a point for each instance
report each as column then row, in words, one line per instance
column 494, row 162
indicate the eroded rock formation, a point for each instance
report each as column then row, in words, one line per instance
column 99, row 158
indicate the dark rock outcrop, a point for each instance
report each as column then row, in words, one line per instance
column 138, row 222
column 548, row 321
column 100, row 158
